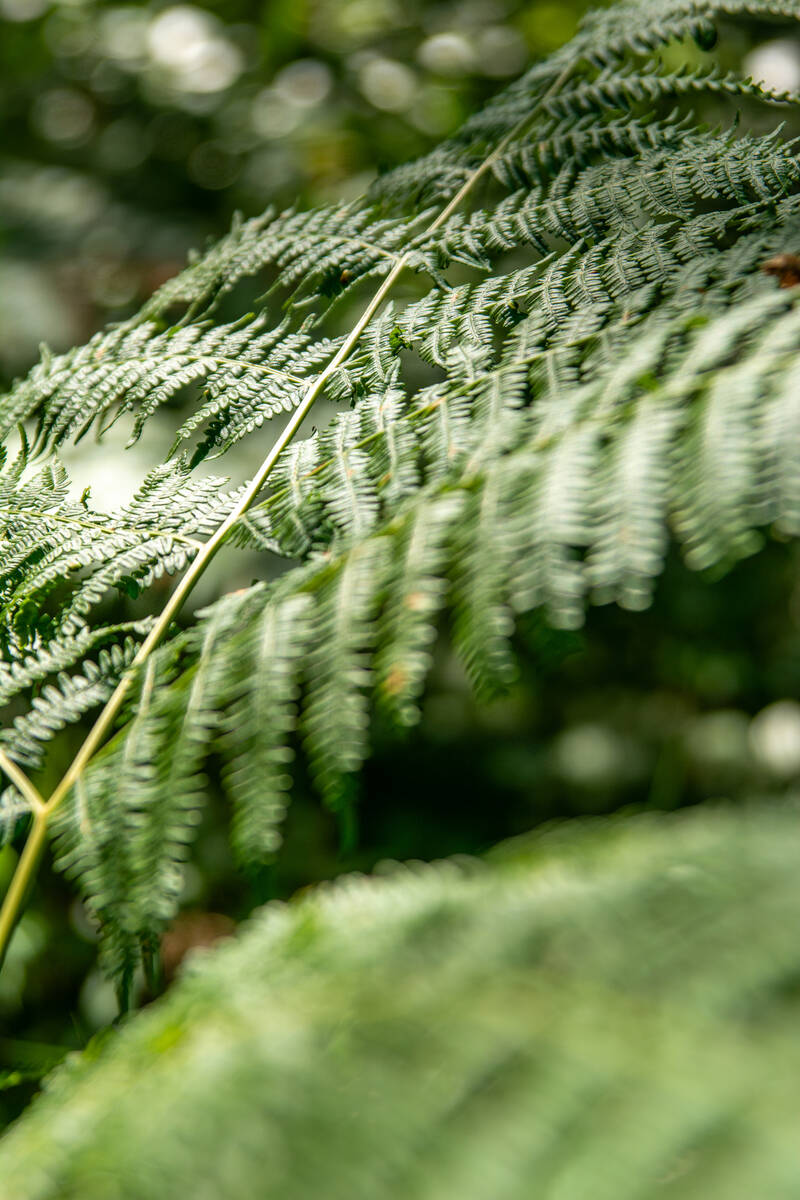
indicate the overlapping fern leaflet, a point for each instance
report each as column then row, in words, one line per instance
column 60, row 558
column 607, row 1010
column 585, row 361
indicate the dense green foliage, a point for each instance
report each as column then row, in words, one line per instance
column 607, row 1011
column 580, row 363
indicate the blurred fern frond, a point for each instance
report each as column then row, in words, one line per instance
column 607, row 1010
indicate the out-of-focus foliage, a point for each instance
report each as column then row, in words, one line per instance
column 606, row 1011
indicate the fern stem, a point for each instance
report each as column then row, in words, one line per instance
column 17, row 893
column 498, row 152
column 21, row 782
column 18, row 888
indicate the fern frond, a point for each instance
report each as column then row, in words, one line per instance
column 65, row 701
column 336, row 713
column 587, row 363
column 605, row 1011
column 14, row 809
column 260, row 698
column 60, row 559
column 27, row 665
column 61, row 552
column 640, row 26
column 577, row 144
column 128, row 856
column 416, row 595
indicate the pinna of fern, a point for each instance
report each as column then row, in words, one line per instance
column 587, row 362
column 60, row 558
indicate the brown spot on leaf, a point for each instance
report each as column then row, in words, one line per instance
column 416, row 601
column 395, row 681
column 785, row 267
